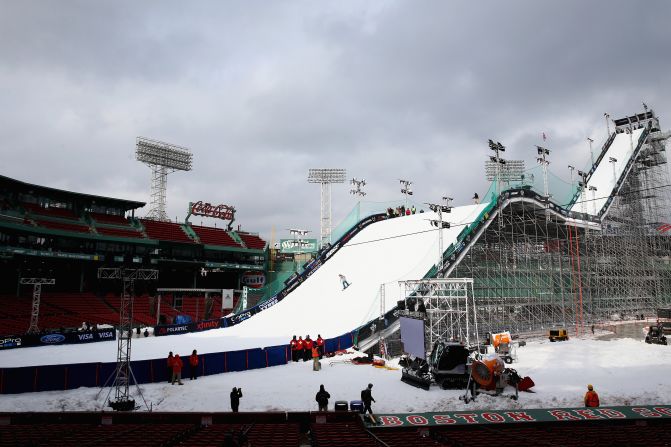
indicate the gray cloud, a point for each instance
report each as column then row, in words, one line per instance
column 263, row 91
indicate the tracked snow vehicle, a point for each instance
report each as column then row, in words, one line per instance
column 447, row 366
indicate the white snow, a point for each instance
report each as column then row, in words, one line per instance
column 383, row 253
column 606, row 173
column 623, row 372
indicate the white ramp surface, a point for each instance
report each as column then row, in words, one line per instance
column 385, row 252
column 607, row 173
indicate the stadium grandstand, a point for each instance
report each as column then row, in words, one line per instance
column 65, row 235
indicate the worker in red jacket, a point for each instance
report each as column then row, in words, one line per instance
column 169, row 364
column 193, row 364
column 293, row 343
column 177, row 369
column 320, row 345
column 300, row 345
column 307, row 349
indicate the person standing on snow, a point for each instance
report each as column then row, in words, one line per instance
column 591, row 398
column 193, row 365
column 344, row 282
column 236, row 394
column 177, row 370
column 169, row 364
column 307, row 349
column 294, row 346
column 316, row 366
column 320, row 346
column 367, row 399
column 322, row 398
column 300, row 345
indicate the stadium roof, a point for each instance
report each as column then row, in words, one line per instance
column 60, row 194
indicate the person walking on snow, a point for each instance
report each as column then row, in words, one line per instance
column 591, row 398
column 322, row 398
column 193, row 365
column 344, row 282
column 367, row 399
column 236, row 394
column 177, row 369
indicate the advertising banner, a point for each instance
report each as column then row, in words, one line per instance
column 479, row 417
column 227, row 299
column 56, row 338
column 299, row 245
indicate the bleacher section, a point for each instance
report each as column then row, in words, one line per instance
column 252, row 241
column 166, row 231
column 109, row 218
column 338, row 434
column 56, row 311
column 53, row 225
column 119, row 232
column 62, row 213
column 214, row 236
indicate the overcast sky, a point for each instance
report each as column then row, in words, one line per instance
column 262, row 91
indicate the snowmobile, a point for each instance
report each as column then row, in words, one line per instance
column 447, row 366
column 656, row 335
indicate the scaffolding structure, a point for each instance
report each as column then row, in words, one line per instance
column 534, row 269
column 447, row 306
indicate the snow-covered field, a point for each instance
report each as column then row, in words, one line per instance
column 623, row 371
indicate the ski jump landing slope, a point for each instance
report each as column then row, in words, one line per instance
column 607, row 173
column 385, row 252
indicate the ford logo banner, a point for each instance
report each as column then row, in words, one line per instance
column 52, row 338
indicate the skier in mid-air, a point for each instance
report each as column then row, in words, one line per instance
column 345, row 284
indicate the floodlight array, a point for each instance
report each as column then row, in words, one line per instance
column 159, row 153
column 510, row 171
column 326, row 175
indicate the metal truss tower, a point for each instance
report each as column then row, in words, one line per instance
column 451, row 311
column 37, row 293
column 162, row 158
column 123, row 372
column 325, row 177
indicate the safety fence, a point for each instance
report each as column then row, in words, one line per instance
column 66, row 377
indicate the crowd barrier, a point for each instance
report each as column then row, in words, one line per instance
column 66, row 377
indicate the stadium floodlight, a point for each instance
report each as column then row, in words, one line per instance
column 613, row 160
column 357, row 189
column 325, row 177
column 593, row 189
column 544, row 163
column 405, row 189
column 607, row 117
column 298, row 242
column 163, row 158
column 591, row 154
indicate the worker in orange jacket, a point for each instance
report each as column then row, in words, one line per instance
column 177, row 365
column 591, row 398
column 307, row 349
column 316, row 366
column 193, row 364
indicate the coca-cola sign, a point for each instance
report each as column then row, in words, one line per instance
column 222, row 211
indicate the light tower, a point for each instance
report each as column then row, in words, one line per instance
column 162, row 158
column 37, row 293
column 440, row 224
column 406, row 190
column 325, row 177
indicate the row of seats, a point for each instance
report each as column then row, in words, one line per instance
column 165, row 231
column 53, row 225
column 62, row 213
column 214, row 236
column 120, row 232
column 113, row 219
column 252, row 241
column 338, row 434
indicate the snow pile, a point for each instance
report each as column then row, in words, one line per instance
column 623, row 372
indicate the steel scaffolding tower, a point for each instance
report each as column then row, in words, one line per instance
column 450, row 308
column 533, row 269
column 123, row 372
column 37, row 293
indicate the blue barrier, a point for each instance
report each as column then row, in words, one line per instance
column 66, row 377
